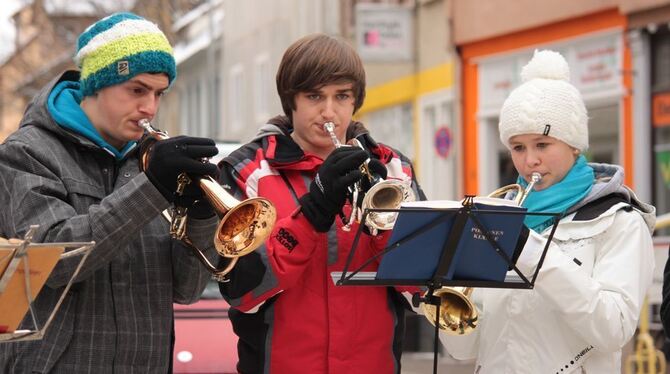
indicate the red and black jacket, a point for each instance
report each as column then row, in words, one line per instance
column 287, row 312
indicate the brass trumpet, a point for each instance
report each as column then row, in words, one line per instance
column 458, row 314
column 522, row 193
column 244, row 225
column 384, row 194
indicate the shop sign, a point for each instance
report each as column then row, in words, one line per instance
column 596, row 64
column 384, row 32
column 595, row 68
column 661, row 109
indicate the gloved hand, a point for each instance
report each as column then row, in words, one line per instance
column 328, row 191
column 182, row 154
column 377, row 169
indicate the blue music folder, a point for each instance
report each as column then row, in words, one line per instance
column 474, row 259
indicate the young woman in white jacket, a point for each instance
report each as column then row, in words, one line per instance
column 587, row 297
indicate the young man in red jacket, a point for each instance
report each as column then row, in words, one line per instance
column 288, row 314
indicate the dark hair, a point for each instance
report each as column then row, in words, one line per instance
column 315, row 61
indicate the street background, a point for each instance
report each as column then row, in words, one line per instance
column 437, row 74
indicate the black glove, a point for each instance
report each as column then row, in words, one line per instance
column 378, row 170
column 182, row 154
column 328, row 191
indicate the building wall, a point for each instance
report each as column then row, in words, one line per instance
column 482, row 19
column 407, row 102
column 255, row 36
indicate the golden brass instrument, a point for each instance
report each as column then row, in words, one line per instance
column 646, row 359
column 384, row 194
column 521, row 194
column 458, row 314
column 244, row 225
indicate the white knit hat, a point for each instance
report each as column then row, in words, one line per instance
column 545, row 103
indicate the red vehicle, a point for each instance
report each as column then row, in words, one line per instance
column 204, row 338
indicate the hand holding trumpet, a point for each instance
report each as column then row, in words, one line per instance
column 174, row 162
column 373, row 191
column 329, row 189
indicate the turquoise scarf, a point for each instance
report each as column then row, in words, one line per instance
column 559, row 197
column 63, row 104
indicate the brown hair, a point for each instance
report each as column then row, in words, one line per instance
column 315, row 61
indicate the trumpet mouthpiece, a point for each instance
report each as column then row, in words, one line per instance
column 535, row 177
column 144, row 123
column 329, row 127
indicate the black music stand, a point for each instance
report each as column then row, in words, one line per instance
column 468, row 211
column 19, row 256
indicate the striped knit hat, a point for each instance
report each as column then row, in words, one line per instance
column 119, row 47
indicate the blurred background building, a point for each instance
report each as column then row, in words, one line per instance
column 437, row 72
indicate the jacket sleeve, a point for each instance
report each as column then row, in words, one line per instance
column 602, row 307
column 33, row 193
column 665, row 304
column 190, row 277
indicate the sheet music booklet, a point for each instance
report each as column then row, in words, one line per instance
column 474, row 258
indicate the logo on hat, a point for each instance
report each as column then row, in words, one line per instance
column 122, row 68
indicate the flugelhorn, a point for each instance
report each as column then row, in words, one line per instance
column 244, row 225
column 458, row 314
column 521, row 193
column 384, row 194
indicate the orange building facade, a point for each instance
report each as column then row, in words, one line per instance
column 598, row 52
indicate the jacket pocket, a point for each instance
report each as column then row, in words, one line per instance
column 81, row 195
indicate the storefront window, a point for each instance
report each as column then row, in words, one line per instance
column 393, row 126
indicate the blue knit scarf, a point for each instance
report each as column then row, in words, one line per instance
column 559, row 197
column 63, row 104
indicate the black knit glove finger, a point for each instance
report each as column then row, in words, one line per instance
column 328, row 192
column 378, row 170
column 193, row 198
column 182, row 154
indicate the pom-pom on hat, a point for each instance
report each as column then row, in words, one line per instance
column 119, row 47
column 545, row 103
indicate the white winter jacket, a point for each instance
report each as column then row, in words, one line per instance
column 587, row 297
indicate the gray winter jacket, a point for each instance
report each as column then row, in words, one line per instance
column 118, row 316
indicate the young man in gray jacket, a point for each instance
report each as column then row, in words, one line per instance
column 73, row 169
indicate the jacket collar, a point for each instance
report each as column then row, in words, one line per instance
column 281, row 151
column 37, row 113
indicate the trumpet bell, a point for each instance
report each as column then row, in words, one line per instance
column 387, row 194
column 458, row 315
column 244, row 226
